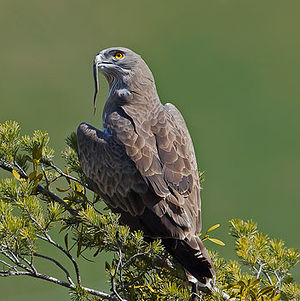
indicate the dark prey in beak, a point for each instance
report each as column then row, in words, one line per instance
column 96, row 80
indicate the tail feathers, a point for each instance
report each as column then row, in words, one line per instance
column 193, row 256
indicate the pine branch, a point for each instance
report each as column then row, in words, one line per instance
column 7, row 166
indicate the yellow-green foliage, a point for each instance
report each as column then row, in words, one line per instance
column 140, row 269
column 9, row 140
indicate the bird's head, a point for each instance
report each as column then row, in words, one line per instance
column 116, row 62
column 120, row 65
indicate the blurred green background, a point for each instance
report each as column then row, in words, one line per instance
column 231, row 67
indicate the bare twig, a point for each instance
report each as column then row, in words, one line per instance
column 103, row 295
column 11, row 256
column 279, row 280
column 58, row 264
column 71, row 286
column 118, row 269
column 268, row 277
column 19, row 167
column 220, row 292
column 67, row 176
column 260, row 270
column 131, row 259
column 52, row 242
column 195, row 295
column 45, row 176
column 8, row 265
column 13, row 273
column 16, row 261
column 29, row 263
column 39, row 276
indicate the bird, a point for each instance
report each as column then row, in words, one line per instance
column 143, row 164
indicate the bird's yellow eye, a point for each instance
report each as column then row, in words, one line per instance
column 119, row 55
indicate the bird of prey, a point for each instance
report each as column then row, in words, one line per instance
column 143, row 162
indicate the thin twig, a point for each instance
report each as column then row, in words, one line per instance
column 6, row 255
column 55, row 178
column 19, row 167
column 113, row 276
column 220, row 292
column 42, row 276
column 52, row 242
column 58, row 264
column 279, row 280
column 11, row 256
column 93, row 292
column 103, row 295
column 45, row 176
column 194, row 295
column 118, row 269
column 259, row 271
column 29, row 263
column 268, row 277
column 16, row 261
column 13, row 273
column 130, row 260
column 67, row 176
column 9, row 265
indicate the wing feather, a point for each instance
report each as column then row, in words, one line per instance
column 165, row 157
column 135, row 154
column 112, row 174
